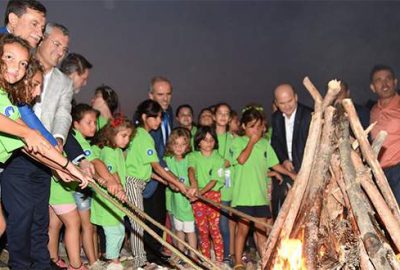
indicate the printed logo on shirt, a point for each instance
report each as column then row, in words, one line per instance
column 221, row 172
column 230, row 152
column 210, row 172
column 87, row 152
column 8, row 111
column 150, row 152
column 182, row 179
column 265, row 154
column 109, row 167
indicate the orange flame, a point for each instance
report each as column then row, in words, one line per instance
column 289, row 255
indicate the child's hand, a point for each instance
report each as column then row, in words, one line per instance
column 276, row 175
column 113, row 186
column 87, row 167
column 121, row 195
column 293, row 176
column 83, row 178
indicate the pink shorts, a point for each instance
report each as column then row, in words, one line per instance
column 61, row 209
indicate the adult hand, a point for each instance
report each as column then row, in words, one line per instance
column 81, row 176
column 288, row 165
column 278, row 176
column 60, row 145
column 35, row 142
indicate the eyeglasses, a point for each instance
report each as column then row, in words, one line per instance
column 59, row 46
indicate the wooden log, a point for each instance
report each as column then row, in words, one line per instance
column 308, row 159
column 383, row 211
column 369, row 156
column 302, row 178
column 373, row 245
column 355, row 144
column 318, row 181
column 378, row 142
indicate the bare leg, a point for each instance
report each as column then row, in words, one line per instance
column 55, row 225
column 242, row 231
column 72, row 224
column 87, row 236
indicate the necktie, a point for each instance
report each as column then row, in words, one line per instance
column 165, row 124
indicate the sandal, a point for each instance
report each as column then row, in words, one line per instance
column 60, row 263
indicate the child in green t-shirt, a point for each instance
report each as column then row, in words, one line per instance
column 178, row 147
column 222, row 116
column 252, row 157
column 141, row 160
column 206, row 172
column 105, row 101
column 112, row 139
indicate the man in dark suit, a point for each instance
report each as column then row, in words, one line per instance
column 154, row 193
column 290, row 124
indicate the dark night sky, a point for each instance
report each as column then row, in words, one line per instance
column 229, row 51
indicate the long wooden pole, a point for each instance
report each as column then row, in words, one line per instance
column 371, row 159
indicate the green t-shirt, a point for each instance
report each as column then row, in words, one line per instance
column 101, row 122
column 207, row 169
column 180, row 205
column 90, row 154
column 60, row 191
column 224, row 143
column 140, row 154
column 104, row 213
column 8, row 143
column 250, row 179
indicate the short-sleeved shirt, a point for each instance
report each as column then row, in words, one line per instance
column 104, row 213
column 388, row 119
column 8, row 143
column 140, row 154
column 224, row 143
column 207, row 169
column 250, row 179
column 90, row 154
column 180, row 205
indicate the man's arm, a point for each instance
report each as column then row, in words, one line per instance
column 62, row 118
column 278, row 140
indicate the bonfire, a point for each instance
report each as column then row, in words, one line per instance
column 340, row 212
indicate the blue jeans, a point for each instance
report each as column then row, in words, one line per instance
column 224, row 228
column 393, row 177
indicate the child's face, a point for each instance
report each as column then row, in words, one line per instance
column 151, row 123
column 207, row 144
column 16, row 59
column 36, row 84
column 185, row 117
column 87, row 125
column 123, row 137
column 97, row 101
column 254, row 127
column 206, row 118
column 179, row 146
column 222, row 116
column 234, row 124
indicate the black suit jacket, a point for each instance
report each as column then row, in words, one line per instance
column 300, row 133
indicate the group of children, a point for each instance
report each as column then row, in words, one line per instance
column 222, row 159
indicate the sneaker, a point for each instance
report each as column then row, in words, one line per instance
column 115, row 266
column 97, row 265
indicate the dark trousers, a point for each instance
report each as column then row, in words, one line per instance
column 279, row 192
column 25, row 191
column 155, row 207
column 393, row 177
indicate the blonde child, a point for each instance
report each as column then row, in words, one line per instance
column 252, row 156
column 141, row 159
column 206, row 173
column 178, row 147
column 112, row 140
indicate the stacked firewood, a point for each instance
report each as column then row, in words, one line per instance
column 340, row 206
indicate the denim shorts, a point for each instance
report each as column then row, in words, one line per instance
column 83, row 199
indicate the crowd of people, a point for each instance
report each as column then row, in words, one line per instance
column 52, row 148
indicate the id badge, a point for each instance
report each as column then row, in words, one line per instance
column 228, row 178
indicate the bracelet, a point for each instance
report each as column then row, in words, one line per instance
column 66, row 164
